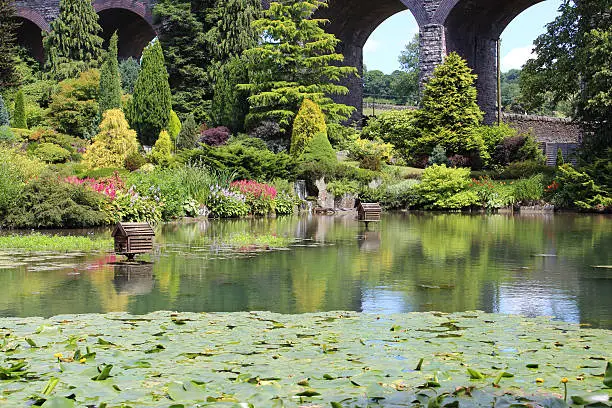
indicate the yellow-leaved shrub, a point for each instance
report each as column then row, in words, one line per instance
column 309, row 121
column 162, row 151
column 114, row 142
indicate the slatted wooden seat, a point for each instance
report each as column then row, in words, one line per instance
column 132, row 238
column 369, row 212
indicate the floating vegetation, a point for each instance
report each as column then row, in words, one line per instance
column 339, row 359
column 247, row 240
column 59, row 243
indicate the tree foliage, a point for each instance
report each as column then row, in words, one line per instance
column 113, row 144
column 229, row 105
column 110, row 82
column 128, row 71
column 573, row 62
column 74, row 44
column 162, row 151
column 8, row 50
column 4, row 115
column 296, row 59
column 308, row 122
column 189, row 134
column 19, row 115
column 174, row 125
column 182, row 33
column 149, row 111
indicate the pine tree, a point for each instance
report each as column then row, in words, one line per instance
column 110, row 83
column 129, row 70
column 233, row 32
column 4, row 115
column 74, row 44
column 151, row 105
column 296, row 60
column 230, row 105
column 8, row 51
column 308, row 122
column 188, row 136
column 19, row 116
column 113, row 144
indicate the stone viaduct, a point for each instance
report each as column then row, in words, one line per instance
column 469, row 27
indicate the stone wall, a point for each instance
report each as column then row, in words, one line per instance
column 544, row 128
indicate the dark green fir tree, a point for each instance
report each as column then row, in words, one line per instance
column 188, row 136
column 149, row 111
column 110, row 82
column 8, row 50
column 19, row 116
column 74, row 43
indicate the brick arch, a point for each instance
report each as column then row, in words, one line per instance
column 34, row 17
column 136, row 7
column 418, row 10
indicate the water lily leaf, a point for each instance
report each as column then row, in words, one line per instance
column 58, row 402
column 475, row 375
column 336, row 404
column 608, row 375
column 553, row 403
column 189, row 391
column 308, row 393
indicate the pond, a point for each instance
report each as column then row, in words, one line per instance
column 541, row 265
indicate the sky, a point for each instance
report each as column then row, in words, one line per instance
column 385, row 44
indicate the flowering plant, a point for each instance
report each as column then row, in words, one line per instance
column 259, row 196
column 107, row 186
column 226, row 203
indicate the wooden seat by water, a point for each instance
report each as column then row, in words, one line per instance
column 369, row 212
column 132, row 238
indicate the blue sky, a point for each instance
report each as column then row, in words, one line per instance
column 385, row 44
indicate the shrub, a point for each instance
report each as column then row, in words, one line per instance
column 400, row 195
column 6, row 135
column 216, row 136
column 343, row 186
column 4, row 115
column 165, row 187
column 393, row 127
column 134, row 161
column 559, row 160
column 341, row 137
column 132, row 207
column 113, row 144
column 129, row 70
column 49, row 203
column 46, row 135
column 438, row 156
column 51, row 153
column 174, row 126
column 248, row 141
column 225, row 203
column 308, row 123
column 162, row 151
column 270, row 132
column 458, row 160
column 74, row 108
column 527, row 191
column 492, row 194
column 319, row 150
column 445, row 188
column 525, row 169
column 494, row 135
column 517, row 148
column 371, row 153
column 258, row 196
column 245, row 162
column 188, row 136
column 285, row 204
column 11, row 185
column 19, row 115
column 574, row 189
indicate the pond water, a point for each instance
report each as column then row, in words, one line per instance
column 554, row 265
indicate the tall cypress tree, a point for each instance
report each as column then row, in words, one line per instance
column 19, row 116
column 74, row 43
column 110, row 82
column 4, row 115
column 8, row 51
column 151, row 105
column 232, row 34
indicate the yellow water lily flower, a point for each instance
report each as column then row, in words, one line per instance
column 58, row 355
column 539, row 380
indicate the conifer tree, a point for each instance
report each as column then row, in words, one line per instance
column 233, row 32
column 308, row 122
column 230, row 105
column 110, row 82
column 162, row 151
column 19, row 116
column 8, row 51
column 113, row 144
column 151, row 105
column 296, row 60
column 74, row 44
column 188, row 136
column 4, row 115
column 174, row 126
column 129, row 70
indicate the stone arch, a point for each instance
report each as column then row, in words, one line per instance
column 29, row 33
column 133, row 22
column 353, row 21
column 472, row 29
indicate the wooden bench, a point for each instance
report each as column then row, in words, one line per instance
column 132, row 238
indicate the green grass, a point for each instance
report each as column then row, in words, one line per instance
column 40, row 242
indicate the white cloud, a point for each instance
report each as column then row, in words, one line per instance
column 371, row 46
column 516, row 58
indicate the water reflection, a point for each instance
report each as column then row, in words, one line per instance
column 448, row 262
